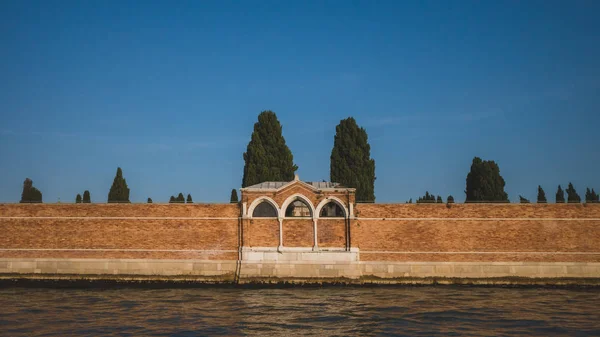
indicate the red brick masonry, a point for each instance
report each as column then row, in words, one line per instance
column 385, row 232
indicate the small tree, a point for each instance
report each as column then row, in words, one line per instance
column 172, row 200
column 450, row 199
column 572, row 196
column 560, row 195
column 189, row 199
column 410, row 201
column 180, row 198
column 588, row 195
column 523, row 200
column 595, row 196
column 439, row 199
column 234, row 197
column 30, row 194
column 86, row 197
column 119, row 192
column 78, row 199
column 541, row 197
column 149, row 200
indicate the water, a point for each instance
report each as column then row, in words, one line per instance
column 328, row 311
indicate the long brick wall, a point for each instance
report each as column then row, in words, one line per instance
column 382, row 232
column 149, row 231
column 477, row 232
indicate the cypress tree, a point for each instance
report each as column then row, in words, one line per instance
column 439, row 199
column 541, row 197
column 450, row 199
column 86, row 197
column 172, row 200
column 30, row 194
column 351, row 163
column 572, row 195
column 149, row 200
column 267, row 157
column 595, row 196
column 588, row 195
column 78, row 199
column 560, row 195
column 234, row 197
column 180, row 198
column 119, row 192
column 523, row 200
column 484, row 182
column 189, row 199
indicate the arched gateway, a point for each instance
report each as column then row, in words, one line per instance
column 297, row 220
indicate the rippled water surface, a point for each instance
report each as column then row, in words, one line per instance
column 328, row 311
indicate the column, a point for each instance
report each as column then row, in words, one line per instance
column 316, row 243
column 280, row 234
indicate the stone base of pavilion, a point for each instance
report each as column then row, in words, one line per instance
column 307, row 254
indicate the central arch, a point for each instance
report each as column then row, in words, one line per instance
column 298, row 230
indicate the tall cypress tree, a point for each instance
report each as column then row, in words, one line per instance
column 484, row 182
column 234, row 197
column 588, row 195
column 560, row 195
column 572, row 195
column 541, row 197
column 189, row 199
column 78, row 199
column 119, row 192
column 267, row 157
column 180, row 198
column 351, row 162
column 30, row 194
column 86, row 197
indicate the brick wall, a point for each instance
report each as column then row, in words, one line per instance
column 261, row 232
column 331, row 233
column 123, row 237
column 298, row 233
column 559, row 233
column 383, row 232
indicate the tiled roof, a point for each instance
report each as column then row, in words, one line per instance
column 278, row 184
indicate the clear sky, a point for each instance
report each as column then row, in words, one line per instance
column 170, row 90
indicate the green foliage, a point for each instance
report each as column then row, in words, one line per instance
column 591, row 196
column 189, row 199
column 234, row 197
column 172, row 200
column 572, row 195
column 450, row 199
column 149, row 200
column 78, row 199
column 427, row 198
column 119, row 192
column 86, row 197
column 180, row 198
column 267, row 157
column 560, row 195
column 484, row 182
column 541, row 197
column 523, row 200
column 30, row 194
column 351, row 164
column 439, row 199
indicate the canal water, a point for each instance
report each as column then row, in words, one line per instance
column 312, row 311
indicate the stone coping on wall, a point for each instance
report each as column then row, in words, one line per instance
column 302, row 271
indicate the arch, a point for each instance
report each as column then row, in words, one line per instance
column 293, row 198
column 260, row 200
column 334, row 200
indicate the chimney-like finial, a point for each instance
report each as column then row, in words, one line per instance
column 296, row 177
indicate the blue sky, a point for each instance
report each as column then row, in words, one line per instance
column 169, row 91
